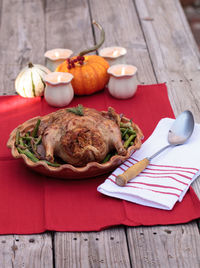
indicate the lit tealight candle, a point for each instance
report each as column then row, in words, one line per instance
column 58, row 91
column 123, row 81
column 113, row 54
column 56, row 56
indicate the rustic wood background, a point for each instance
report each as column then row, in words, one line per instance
column 160, row 43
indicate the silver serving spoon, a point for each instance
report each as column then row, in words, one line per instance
column 179, row 132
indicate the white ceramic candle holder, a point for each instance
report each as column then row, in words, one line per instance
column 123, row 81
column 56, row 56
column 114, row 55
column 58, row 91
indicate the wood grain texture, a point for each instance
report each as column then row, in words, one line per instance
column 95, row 249
column 159, row 42
column 165, row 246
column 173, row 51
column 132, row 172
column 174, row 54
column 22, row 39
column 27, row 251
column 122, row 28
column 155, row 68
column 75, row 33
column 68, row 25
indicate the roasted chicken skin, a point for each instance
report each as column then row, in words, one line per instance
column 79, row 140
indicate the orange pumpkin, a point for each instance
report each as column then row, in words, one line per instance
column 88, row 78
column 89, row 71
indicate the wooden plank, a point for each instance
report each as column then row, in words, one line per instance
column 19, row 43
column 165, row 246
column 68, row 25
column 22, row 39
column 138, row 52
column 75, row 33
column 124, row 15
column 26, row 251
column 122, row 28
column 173, row 51
column 174, row 54
column 95, row 249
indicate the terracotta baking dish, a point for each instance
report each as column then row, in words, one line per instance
column 67, row 171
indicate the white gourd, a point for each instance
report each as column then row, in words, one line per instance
column 29, row 82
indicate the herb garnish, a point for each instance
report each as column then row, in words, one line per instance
column 76, row 110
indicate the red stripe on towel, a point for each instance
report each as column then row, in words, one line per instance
column 196, row 169
column 165, row 177
column 146, row 189
column 156, row 185
column 153, row 177
column 185, row 171
column 165, row 173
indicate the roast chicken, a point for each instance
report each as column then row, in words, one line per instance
column 80, row 139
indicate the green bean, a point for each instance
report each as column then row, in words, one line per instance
column 31, row 139
column 26, row 138
column 122, row 129
column 126, row 137
column 125, row 125
column 52, row 164
column 35, row 159
column 17, row 137
column 107, row 158
column 127, row 142
column 34, row 147
column 33, row 142
column 21, row 143
column 125, row 132
column 35, row 130
column 28, row 154
column 38, row 140
column 131, row 132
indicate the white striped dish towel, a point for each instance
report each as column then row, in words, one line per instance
column 168, row 176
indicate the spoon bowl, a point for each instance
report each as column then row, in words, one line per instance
column 182, row 128
column 179, row 133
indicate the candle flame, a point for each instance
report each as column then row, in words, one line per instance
column 59, row 78
column 115, row 53
column 57, row 54
column 123, row 71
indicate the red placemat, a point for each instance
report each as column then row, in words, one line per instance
column 33, row 203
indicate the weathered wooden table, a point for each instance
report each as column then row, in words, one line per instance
column 160, row 43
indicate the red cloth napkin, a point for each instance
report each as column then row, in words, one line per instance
column 33, row 203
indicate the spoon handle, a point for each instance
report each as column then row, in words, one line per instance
column 160, row 151
column 132, row 172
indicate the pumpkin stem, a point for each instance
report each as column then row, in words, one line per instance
column 102, row 39
column 30, row 65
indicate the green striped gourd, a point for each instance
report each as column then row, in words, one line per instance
column 29, row 82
